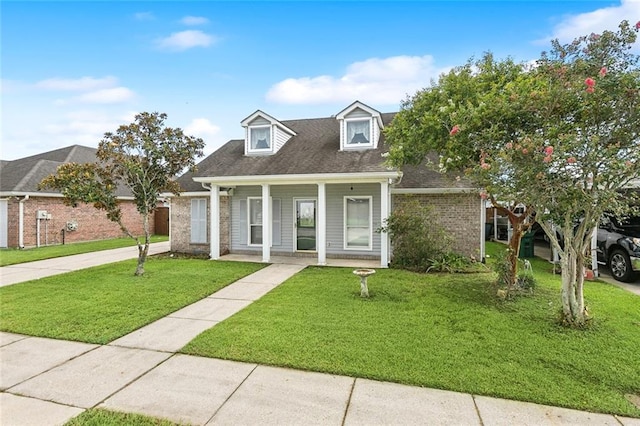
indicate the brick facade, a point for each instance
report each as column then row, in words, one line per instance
column 459, row 214
column 92, row 224
column 181, row 225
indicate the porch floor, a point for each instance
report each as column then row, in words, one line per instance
column 293, row 260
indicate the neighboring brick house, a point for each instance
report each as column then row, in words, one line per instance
column 30, row 217
column 312, row 187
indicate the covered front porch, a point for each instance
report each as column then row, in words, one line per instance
column 304, row 219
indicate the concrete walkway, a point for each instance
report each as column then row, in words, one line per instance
column 45, row 268
column 47, row 382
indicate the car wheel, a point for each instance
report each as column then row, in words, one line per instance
column 620, row 266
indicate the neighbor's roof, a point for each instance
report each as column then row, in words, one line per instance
column 314, row 150
column 23, row 175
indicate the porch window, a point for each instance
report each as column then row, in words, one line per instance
column 260, row 138
column 255, row 221
column 357, row 223
column 199, row 220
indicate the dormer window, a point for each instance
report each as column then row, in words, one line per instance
column 358, row 133
column 260, row 138
column 360, row 127
column 264, row 135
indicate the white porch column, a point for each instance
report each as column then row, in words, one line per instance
column 483, row 221
column 266, row 224
column 384, row 214
column 321, row 243
column 214, row 222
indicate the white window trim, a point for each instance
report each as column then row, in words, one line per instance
column 270, row 228
column 345, row 143
column 344, row 216
column 255, row 150
column 206, row 234
column 249, row 221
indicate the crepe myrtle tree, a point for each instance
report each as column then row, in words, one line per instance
column 587, row 148
column 561, row 136
column 466, row 118
column 143, row 156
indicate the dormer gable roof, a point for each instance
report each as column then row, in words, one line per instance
column 260, row 114
column 366, row 108
column 264, row 135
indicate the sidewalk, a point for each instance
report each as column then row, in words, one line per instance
column 13, row 274
column 47, row 381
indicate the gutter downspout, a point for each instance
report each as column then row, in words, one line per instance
column 21, row 221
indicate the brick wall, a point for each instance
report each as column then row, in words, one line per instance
column 459, row 214
column 181, row 226
column 92, row 223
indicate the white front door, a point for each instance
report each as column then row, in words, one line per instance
column 305, row 225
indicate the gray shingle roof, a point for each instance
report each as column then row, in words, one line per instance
column 315, row 149
column 24, row 174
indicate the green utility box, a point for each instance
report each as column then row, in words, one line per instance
column 526, row 245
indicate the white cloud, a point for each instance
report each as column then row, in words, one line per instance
column 607, row 18
column 382, row 81
column 194, row 20
column 184, row 40
column 144, row 16
column 77, row 84
column 113, row 95
column 202, row 128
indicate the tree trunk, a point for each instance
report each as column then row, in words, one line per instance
column 143, row 250
column 573, row 309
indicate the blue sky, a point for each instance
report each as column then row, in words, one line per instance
column 72, row 71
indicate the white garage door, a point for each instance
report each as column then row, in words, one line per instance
column 3, row 223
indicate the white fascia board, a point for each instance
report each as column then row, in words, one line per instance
column 43, row 195
column 204, row 193
column 357, row 104
column 300, row 179
column 272, row 120
column 432, row 190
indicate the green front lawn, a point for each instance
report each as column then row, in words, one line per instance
column 102, row 417
column 15, row 256
column 443, row 331
column 100, row 304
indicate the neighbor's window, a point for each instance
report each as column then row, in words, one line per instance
column 199, row 220
column 260, row 138
column 255, row 221
column 358, row 132
column 357, row 223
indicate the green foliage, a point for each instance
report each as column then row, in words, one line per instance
column 442, row 331
column 450, row 262
column 100, row 304
column 15, row 256
column 417, row 237
column 562, row 137
column 145, row 156
column 102, row 417
column 525, row 281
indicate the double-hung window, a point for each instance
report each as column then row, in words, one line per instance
column 358, row 133
column 260, row 138
column 255, row 221
column 199, row 220
column 357, row 223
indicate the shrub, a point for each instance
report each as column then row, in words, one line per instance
column 417, row 236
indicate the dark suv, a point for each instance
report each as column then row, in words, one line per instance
column 619, row 246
